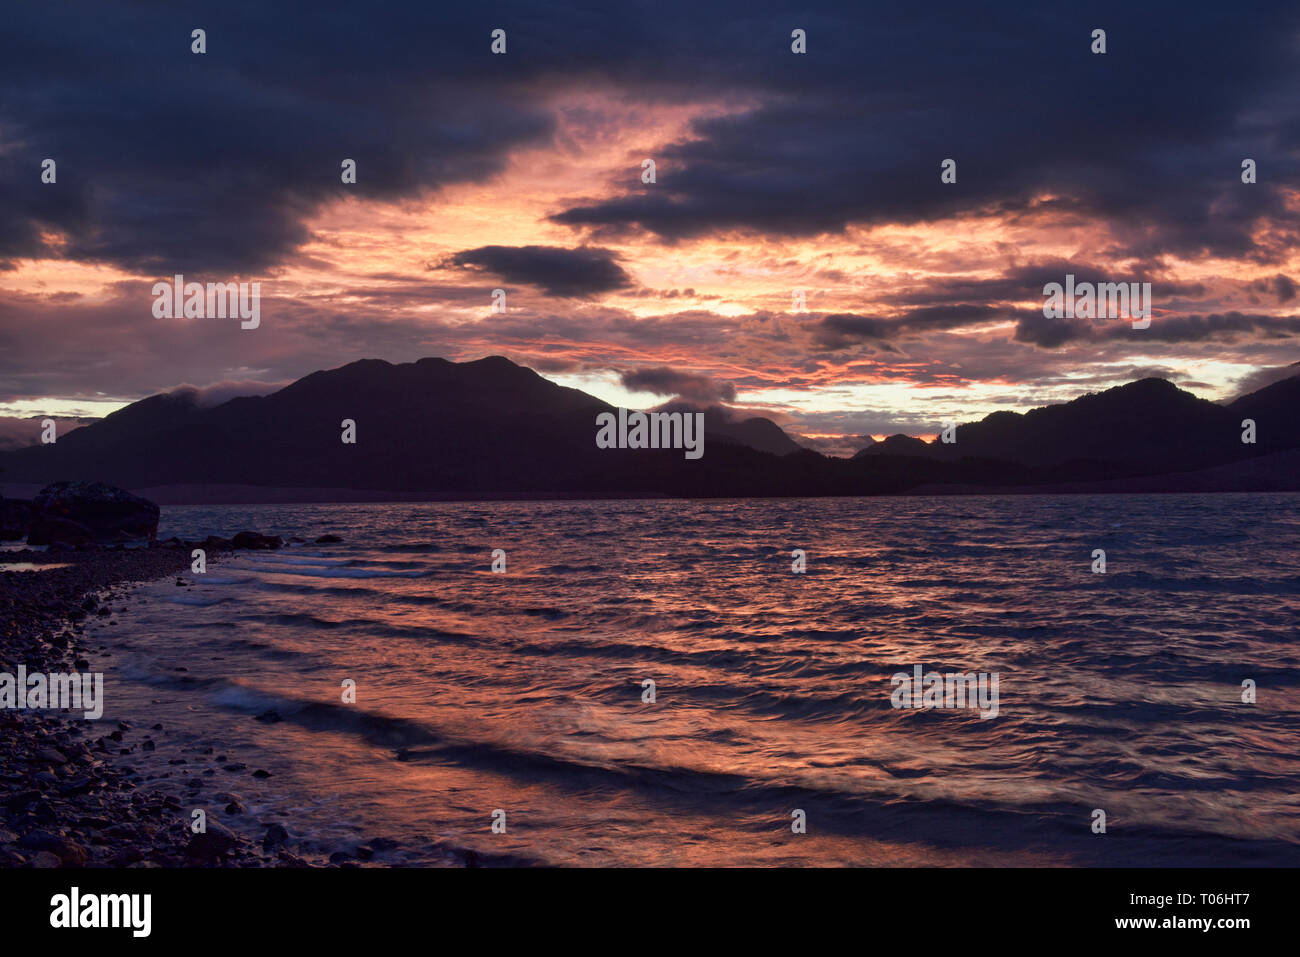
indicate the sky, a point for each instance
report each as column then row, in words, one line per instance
column 774, row 172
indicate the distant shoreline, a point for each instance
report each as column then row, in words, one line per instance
column 1256, row 476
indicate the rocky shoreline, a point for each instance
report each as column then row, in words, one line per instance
column 68, row 794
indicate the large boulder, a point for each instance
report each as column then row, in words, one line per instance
column 15, row 519
column 55, row 530
column 106, row 513
column 256, row 540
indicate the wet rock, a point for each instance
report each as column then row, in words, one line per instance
column 213, row 845
column 59, row 533
column 76, row 785
column 276, row 835
column 328, row 540
column 107, row 514
column 255, row 540
column 52, row 755
column 126, row 857
column 69, row 854
column 15, row 519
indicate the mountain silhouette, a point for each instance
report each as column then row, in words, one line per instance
column 491, row 428
column 1146, row 426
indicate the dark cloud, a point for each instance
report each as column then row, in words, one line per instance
column 553, row 269
column 1034, row 136
column 170, row 160
column 1036, row 329
column 693, row 387
column 840, row 330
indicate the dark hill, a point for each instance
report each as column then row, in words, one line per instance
column 490, row 428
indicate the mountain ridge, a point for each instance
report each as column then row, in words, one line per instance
column 491, row 428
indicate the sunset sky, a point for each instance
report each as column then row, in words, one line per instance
column 775, row 172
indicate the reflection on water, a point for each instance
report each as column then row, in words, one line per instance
column 523, row 691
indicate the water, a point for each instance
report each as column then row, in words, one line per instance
column 522, row 691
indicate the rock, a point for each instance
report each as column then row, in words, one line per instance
column 259, row 773
column 15, row 519
column 212, row 845
column 76, row 785
column 51, row 756
column 40, row 840
column 21, row 799
column 59, row 533
column 46, row 859
column 276, row 835
column 269, row 717
column 68, row 853
column 234, row 808
column 254, row 540
column 126, row 857
column 108, row 514
column 339, row 857
column 328, row 540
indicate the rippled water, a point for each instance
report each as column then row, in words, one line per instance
column 523, row 691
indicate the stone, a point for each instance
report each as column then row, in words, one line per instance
column 107, row 514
